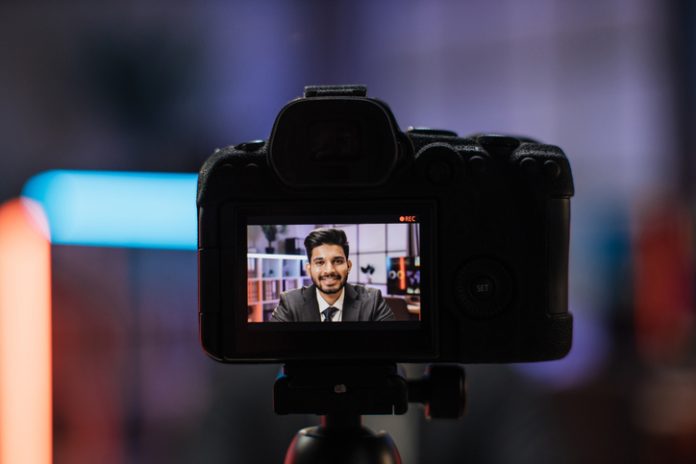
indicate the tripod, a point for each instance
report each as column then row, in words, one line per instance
column 341, row 394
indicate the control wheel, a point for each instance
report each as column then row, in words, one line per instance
column 483, row 288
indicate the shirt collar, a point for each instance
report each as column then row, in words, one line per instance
column 338, row 304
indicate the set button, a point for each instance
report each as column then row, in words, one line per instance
column 483, row 288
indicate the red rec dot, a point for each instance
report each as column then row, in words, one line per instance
column 402, row 219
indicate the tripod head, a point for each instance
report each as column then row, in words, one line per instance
column 341, row 393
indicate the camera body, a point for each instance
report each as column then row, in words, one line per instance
column 489, row 216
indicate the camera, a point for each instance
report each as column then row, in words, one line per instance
column 440, row 248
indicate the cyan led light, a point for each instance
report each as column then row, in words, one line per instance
column 119, row 209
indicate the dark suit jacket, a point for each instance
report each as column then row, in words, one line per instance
column 360, row 304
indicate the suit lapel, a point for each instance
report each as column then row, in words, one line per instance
column 310, row 301
column 351, row 307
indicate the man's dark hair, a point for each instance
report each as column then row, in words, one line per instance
column 325, row 236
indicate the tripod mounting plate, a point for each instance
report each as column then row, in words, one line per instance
column 335, row 389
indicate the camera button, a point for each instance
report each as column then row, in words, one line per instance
column 439, row 163
column 482, row 288
column 478, row 164
column 497, row 144
column 251, row 146
column 529, row 164
column 552, row 170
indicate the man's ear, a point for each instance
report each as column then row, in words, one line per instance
column 350, row 265
column 307, row 267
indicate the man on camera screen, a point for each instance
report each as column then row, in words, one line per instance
column 330, row 298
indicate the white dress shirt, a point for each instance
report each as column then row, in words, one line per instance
column 338, row 315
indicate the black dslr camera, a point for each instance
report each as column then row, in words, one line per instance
column 464, row 239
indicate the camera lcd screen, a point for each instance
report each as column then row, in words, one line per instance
column 320, row 270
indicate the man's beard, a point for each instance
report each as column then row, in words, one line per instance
column 331, row 291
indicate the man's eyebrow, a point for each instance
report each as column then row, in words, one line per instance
column 322, row 258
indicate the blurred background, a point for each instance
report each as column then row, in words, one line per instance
column 142, row 86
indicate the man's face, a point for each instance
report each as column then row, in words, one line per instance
column 329, row 268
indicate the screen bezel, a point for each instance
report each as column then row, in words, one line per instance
column 395, row 341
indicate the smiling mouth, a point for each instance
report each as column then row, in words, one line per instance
column 330, row 280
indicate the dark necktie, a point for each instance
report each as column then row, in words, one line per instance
column 328, row 313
